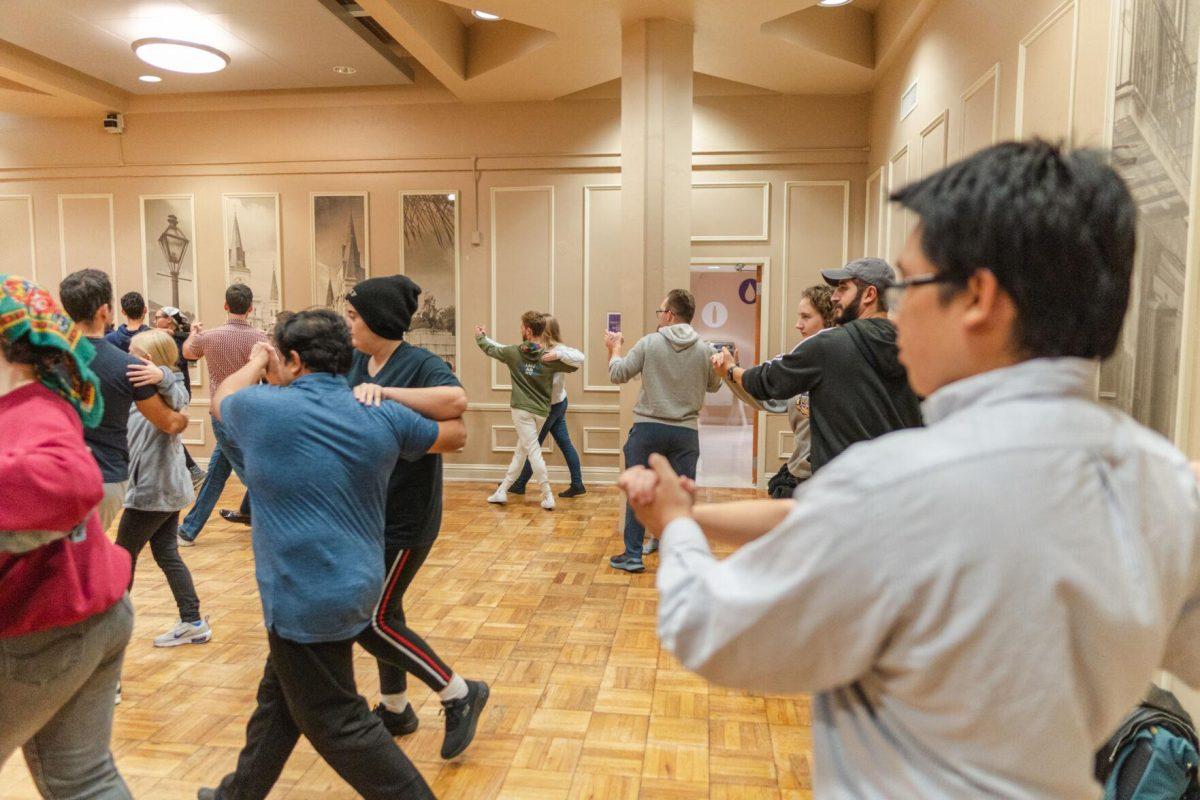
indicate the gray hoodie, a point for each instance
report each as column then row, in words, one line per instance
column 676, row 370
column 158, row 475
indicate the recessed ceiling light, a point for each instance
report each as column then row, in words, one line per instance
column 150, row 79
column 832, row 3
column 485, row 16
column 345, row 70
column 178, row 56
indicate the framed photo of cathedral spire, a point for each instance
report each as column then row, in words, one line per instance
column 340, row 246
column 251, row 228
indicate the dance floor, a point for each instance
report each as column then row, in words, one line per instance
column 584, row 703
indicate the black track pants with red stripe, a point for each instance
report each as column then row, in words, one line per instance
column 396, row 648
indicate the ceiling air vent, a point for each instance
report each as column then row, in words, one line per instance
column 908, row 101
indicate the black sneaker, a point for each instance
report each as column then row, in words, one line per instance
column 398, row 723
column 462, row 716
column 516, row 490
column 573, row 491
column 650, row 546
column 627, row 563
column 229, row 515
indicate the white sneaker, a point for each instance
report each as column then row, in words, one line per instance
column 185, row 542
column 185, row 633
column 499, row 496
column 548, row 499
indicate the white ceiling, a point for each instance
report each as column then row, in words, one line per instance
column 272, row 44
column 76, row 57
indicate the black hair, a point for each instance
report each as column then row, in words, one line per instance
column 682, row 304
column 133, row 305
column 1056, row 228
column 83, row 292
column 319, row 336
column 239, row 298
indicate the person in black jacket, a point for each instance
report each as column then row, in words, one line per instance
column 858, row 389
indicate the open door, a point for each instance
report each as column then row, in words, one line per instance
column 728, row 314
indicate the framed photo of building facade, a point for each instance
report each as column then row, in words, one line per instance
column 429, row 256
column 169, row 253
column 252, row 254
column 340, row 246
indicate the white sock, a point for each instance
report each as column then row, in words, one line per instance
column 396, row 703
column 455, row 690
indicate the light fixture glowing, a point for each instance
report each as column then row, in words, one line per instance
column 149, row 79
column 345, row 70
column 485, row 16
column 833, row 3
column 177, row 56
column 450, row 197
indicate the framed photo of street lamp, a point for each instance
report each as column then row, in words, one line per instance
column 251, row 226
column 169, row 253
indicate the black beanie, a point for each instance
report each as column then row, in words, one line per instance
column 386, row 304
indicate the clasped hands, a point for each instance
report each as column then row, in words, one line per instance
column 656, row 494
column 724, row 361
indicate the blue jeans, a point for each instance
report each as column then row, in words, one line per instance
column 226, row 455
column 681, row 446
column 556, row 426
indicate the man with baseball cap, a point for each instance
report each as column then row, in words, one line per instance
column 858, row 389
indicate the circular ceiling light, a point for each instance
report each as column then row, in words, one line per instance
column 485, row 16
column 345, row 70
column 177, row 56
column 833, row 3
column 150, row 79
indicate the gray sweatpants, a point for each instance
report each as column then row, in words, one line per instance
column 56, row 703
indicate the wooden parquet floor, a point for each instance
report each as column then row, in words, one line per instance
column 584, row 704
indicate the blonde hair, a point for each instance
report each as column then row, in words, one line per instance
column 552, row 335
column 158, row 345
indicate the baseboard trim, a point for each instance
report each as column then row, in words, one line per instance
column 492, row 473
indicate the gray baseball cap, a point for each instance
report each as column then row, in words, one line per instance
column 874, row 271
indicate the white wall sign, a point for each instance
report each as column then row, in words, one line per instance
column 714, row 314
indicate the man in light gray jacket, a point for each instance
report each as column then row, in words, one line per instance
column 676, row 369
column 977, row 604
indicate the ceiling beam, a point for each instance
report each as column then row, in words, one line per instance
column 58, row 80
column 430, row 31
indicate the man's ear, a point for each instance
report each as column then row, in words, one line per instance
column 985, row 304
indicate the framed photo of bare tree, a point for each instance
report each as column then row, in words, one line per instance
column 429, row 256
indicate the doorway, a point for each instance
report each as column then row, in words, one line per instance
column 728, row 314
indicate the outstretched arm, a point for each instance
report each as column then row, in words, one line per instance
column 434, row 402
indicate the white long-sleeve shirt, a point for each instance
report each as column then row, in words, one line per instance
column 567, row 355
column 976, row 605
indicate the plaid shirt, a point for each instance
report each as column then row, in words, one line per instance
column 227, row 349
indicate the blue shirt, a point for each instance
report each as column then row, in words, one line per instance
column 317, row 462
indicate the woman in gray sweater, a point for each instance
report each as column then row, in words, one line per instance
column 160, row 486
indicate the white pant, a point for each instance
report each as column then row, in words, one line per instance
column 528, row 426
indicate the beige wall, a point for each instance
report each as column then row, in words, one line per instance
column 1037, row 67
column 542, row 201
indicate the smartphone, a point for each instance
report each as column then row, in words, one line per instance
column 614, row 321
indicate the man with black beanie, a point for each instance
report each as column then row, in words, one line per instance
column 385, row 367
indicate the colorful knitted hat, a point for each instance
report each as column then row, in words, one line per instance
column 26, row 308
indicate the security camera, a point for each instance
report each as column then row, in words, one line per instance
column 114, row 123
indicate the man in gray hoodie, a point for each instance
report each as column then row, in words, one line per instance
column 676, row 369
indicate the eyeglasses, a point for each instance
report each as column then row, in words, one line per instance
column 894, row 293
column 662, row 311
